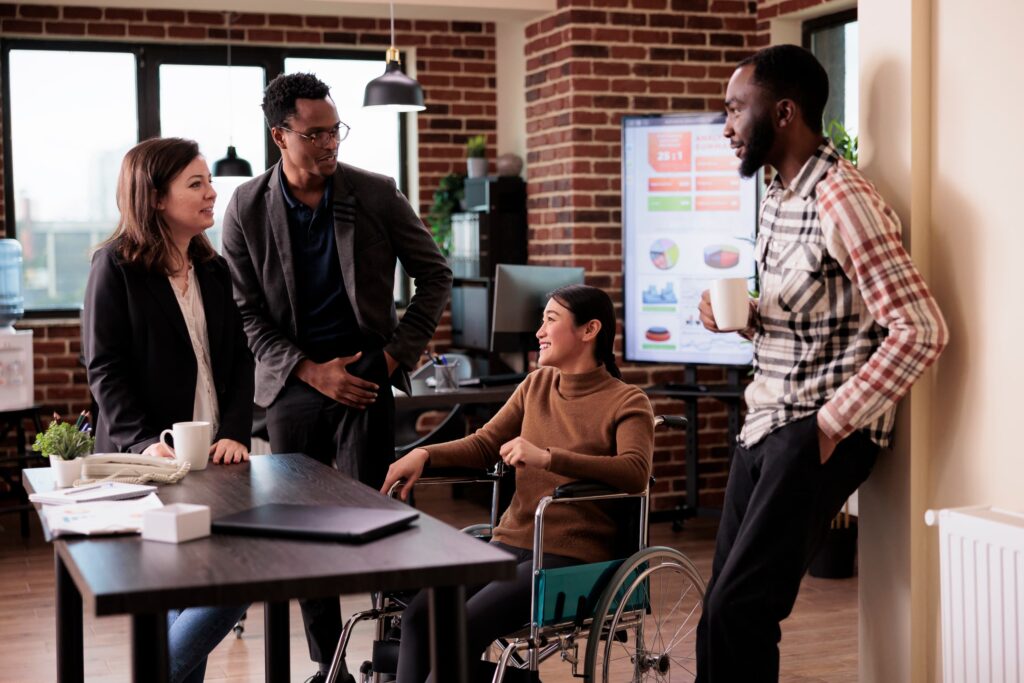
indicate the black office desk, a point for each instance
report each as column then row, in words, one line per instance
column 11, row 465
column 126, row 575
column 424, row 397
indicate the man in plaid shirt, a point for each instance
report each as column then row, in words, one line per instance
column 843, row 327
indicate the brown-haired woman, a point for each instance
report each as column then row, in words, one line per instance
column 163, row 340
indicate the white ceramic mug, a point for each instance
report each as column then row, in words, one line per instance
column 191, row 443
column 730, row 303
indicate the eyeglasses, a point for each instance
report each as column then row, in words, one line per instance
column 323, row 138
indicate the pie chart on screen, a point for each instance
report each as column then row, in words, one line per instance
column 664, row 254
column 721, row 256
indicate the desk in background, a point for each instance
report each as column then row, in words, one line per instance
column 12, row 465
column 424, row 397
column 144, row 579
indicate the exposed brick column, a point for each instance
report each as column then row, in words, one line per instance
column 588, row 64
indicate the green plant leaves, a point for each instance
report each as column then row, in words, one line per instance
column 62, row 440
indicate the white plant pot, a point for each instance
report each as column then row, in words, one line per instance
column 65, row 472
column 476, row 167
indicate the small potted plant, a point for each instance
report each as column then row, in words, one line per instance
column 476, row 161
column 65, row 444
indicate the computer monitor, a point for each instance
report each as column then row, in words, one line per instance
column 520, row 294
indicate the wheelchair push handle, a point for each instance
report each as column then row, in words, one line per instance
column 670, row 421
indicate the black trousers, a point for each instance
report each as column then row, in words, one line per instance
column 493, row 610
column 779, row 502
column 360, row 443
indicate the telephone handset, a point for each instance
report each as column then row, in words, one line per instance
column 133, row 468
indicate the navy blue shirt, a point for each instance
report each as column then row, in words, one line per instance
column 327, row 325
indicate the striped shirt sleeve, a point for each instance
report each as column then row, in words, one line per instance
column 864, row 236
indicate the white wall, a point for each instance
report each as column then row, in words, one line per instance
column 942, row 93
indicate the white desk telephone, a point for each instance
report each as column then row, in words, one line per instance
column 133, row 468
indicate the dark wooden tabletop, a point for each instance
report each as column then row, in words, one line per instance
column 126, row 575
column 423, row 396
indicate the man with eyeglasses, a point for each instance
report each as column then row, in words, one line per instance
column 312, row 245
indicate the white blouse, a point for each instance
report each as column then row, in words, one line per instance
column 190, row 301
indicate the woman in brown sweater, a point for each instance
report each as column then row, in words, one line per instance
column 574, row 418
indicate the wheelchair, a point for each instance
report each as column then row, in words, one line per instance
column 634, row 619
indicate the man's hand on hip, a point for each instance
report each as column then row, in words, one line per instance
column 332, row 379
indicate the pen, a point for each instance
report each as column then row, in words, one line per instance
column 80, row 421
column 86, row 488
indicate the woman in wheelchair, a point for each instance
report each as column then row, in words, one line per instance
column 573, row 418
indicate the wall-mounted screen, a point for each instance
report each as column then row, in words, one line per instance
column 687, row 218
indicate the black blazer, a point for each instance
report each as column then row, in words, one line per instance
column 374, row 226
column 142, row 369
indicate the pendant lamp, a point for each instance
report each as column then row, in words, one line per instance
column 231, row 165
column 394, row 91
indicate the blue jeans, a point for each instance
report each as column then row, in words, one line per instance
column 192, row 633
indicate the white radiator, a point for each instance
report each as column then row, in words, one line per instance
column 982, row 571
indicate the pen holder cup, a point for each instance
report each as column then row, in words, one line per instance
column 446, row 377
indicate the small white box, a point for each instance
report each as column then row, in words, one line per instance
column 176, row 523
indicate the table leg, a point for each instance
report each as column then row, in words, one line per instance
column 149, row 648
column 448, row 646
column 70, row 664
column 275, row 619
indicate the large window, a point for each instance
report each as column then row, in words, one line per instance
column 833, row 40
column 69, row 131
column 71, row 111
column 216, row 107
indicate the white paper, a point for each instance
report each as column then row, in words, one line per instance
column 103, row 517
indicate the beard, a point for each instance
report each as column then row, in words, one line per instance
column 762, row 138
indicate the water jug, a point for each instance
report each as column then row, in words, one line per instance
column 12, row 304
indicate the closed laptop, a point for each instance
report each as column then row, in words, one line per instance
column 319, row 522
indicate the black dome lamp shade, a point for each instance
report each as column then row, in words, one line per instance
column 394, row 91
column 232, row 165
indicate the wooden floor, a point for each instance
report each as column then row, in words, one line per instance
column 819, row 641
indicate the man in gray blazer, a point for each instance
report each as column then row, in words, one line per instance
column 312, row 245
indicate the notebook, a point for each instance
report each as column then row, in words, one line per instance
column 108, row 490
column 319, row 522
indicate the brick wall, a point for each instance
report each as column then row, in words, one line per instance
column 774, row 9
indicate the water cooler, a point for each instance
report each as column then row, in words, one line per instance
column 17, row 386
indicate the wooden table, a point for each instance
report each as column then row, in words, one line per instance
column 126, row 575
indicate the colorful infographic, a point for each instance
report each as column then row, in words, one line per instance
column 688, row 219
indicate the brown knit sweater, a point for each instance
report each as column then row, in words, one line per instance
column 595, row 426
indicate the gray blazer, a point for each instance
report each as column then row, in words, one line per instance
column 373, row 226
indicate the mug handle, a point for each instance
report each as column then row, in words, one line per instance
column 161, row 439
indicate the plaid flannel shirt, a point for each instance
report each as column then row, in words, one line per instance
column 844, row 323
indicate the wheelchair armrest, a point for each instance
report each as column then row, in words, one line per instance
column 455, row 473
column 580, row 489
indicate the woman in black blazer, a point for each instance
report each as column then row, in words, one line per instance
column 163, row 340
column 142, row 362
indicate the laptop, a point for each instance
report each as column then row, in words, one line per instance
column 318, row 522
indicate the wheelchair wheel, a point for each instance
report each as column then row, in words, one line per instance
column 645, row 624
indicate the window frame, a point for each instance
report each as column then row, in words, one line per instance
column 827, row 21
column 148, row 59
